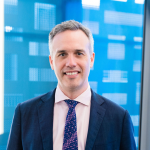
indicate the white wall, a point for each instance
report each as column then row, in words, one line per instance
column 1, row 66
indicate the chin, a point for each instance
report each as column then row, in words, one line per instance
column 73, row 86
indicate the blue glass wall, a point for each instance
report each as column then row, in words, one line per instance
column 117, row 27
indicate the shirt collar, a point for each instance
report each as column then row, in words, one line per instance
column 84, row 98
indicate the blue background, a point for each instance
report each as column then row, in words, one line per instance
column 117, row 29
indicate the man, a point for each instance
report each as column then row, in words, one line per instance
column 71, row 116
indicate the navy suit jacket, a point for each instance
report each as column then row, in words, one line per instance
column 110, row 126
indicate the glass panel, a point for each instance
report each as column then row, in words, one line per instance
column 117, row 27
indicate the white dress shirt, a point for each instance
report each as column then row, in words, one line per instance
column 82, row 115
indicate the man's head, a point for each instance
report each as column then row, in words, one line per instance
column 71, row 58
column 73, row 26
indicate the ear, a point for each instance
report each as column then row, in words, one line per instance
column 92, row 60
column 51, row 62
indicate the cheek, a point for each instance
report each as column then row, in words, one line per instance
column 86, row 67
column 58, row 68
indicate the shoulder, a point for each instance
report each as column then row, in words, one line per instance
column 32, row 103
column 110, row 107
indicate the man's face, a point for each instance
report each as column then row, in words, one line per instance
column 71, row 60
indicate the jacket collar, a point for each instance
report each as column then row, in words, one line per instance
column 97, row 113
column 45, row 112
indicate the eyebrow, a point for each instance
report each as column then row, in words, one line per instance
column 80, row 50
column 64, row 51
column 61, row 51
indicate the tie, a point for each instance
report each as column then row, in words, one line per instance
column 70, row 141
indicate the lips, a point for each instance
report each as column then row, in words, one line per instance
column 69, row 73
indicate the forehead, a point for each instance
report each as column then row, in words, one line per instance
column 70, row 35
column 69, row 38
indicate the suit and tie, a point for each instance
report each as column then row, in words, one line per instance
column 110, row 126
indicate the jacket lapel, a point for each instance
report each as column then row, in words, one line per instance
column 45, row 113
column 97, row 113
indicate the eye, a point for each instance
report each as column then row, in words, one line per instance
column 62, row 54
column 79, row 53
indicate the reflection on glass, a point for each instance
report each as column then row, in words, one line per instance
column 91, row 4
column 44, row 16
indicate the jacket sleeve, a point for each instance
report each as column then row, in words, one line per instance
column 14, row 140
column 127, row 136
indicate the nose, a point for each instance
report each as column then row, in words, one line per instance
column 71, row 61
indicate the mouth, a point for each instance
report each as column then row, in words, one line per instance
column 71, row 73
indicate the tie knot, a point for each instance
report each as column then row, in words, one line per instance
column 71, row 103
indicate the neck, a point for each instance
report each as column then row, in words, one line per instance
column 73, row 93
